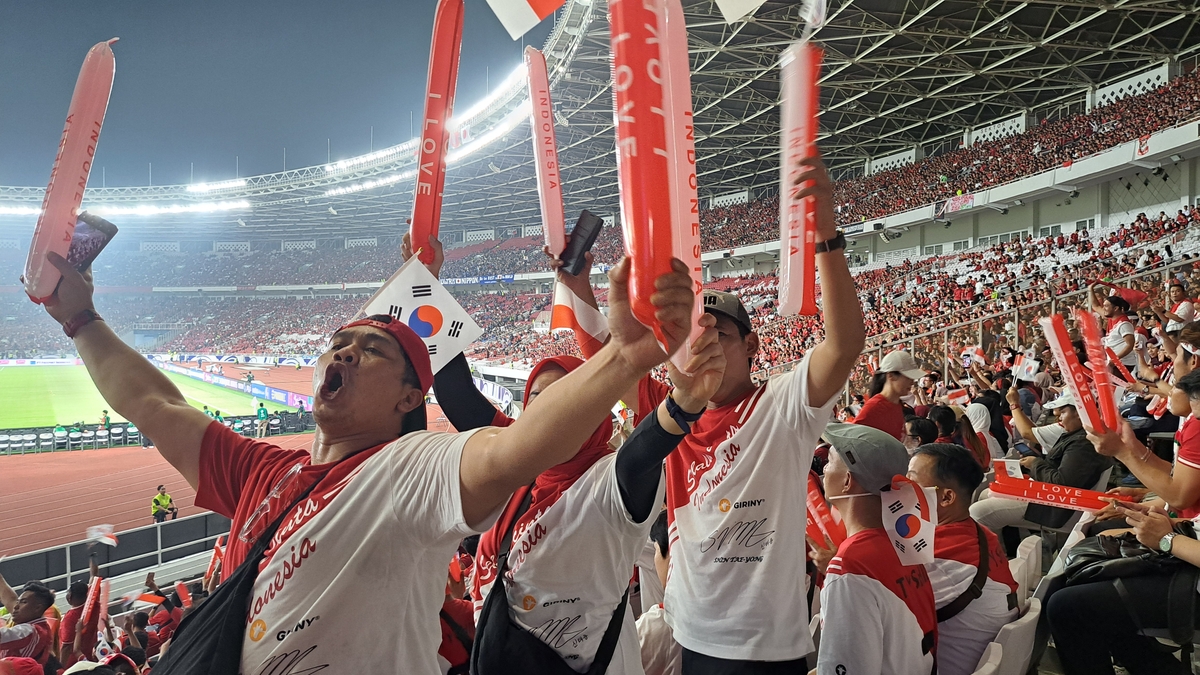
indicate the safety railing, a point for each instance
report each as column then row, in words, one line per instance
column 940, row 350
column 143, row 548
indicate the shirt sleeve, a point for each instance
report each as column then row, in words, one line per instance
column 1187, row 311
column 792, row 390
column 228, row 461
column 20, row 640
column 851, row 628
column 427, row 497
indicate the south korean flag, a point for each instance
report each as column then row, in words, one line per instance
column 910, row 516
column 413, row 295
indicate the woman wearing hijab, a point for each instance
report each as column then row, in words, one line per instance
column 981, row 421
column 574, row 546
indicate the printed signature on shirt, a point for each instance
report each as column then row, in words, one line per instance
column 744, row 533
column 286, row 664
column 558, row 633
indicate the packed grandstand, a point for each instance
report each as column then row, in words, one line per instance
column 963, row 252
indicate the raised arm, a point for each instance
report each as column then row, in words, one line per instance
column 8, row 597
column 640, row 458
column 1021, row 422
column 833, row 359
column 465, row 406
column 1177, row 484
column 129, row 383
column 495, row 462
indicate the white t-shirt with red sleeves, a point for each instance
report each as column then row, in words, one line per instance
column 379, row 527
column 963, row 637
column 877, row 615
column 736, row 513
column 569, row 567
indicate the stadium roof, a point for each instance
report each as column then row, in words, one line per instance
column 898, row 74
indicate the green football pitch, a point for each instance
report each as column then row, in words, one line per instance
column 35, row 396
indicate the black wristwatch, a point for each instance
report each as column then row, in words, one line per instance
column 835, row 244
column 682, row 417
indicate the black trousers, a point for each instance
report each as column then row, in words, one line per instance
column 695, row 663
column 1092, row 625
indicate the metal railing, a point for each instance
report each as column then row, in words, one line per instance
column 142, row 548
column 938, row 350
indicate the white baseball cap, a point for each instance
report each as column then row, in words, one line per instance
column 902, row 362
column 1064, row 399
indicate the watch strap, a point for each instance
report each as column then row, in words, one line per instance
column 81, row 319
column 682, row 417
column 837, row 243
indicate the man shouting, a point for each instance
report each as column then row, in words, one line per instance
column 387, row 502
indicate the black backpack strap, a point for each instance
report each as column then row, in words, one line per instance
column 1181, row 604
column 975, row 590
column 459, row 631
column 506, row 540
column 608, row 644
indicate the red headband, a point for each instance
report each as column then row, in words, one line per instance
column 410, row 343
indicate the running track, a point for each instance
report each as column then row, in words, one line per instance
column 50, row 499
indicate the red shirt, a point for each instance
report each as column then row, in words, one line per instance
column 452, row 649
column 882, row 414
column 1188, row 438
column 167, row 623
column 66, row 630
column 31, row 640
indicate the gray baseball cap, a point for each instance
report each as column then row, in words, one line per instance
column 873, row 456
column 728, row 304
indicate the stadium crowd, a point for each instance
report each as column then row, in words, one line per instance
column 975, row 590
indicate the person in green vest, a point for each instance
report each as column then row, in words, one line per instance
column 105, row 421
column 262, row 419
column 162, row 504
column 217, row 416
column 60, row 429
column 208, row 412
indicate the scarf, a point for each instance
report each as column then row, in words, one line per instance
column 547, row 488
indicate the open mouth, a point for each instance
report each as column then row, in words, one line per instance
column 335, row 380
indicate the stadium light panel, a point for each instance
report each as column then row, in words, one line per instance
column 223, row 185
column 20, row 211
column 154, row 209
column 370, row 184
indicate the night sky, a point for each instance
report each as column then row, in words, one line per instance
column 203, row 82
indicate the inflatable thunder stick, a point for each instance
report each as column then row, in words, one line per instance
column 820, row 513
column 643, row 177
column 1072, row 370
column 801, row 66
column 545, row 152
column 90, row 620
column 439, row 106
column 681, row 139
column 1112, row 356
column 1098, row 361
column 72, row 166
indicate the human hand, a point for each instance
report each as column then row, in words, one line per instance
column 1028, row 462
column 580, row 283
column 635, row 343
column 820, row 188
column 1116, row 443
column 435, row 245
column 821, row 555
column 1014, row 398
column 74, row 292
column 706, row 363
column 1150, row 525
column 1138, row 494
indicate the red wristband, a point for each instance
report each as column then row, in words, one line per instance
column 83, row 318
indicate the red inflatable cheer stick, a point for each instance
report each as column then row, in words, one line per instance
column 439, row 106
column 1072, row 370
column 830, row 525
column 643, row 177
column 1112, row 356
column 72, row 166
column 545, row 152
column 1098, row 360
column 681, row 139
column 90, row 620
column 801, row 67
